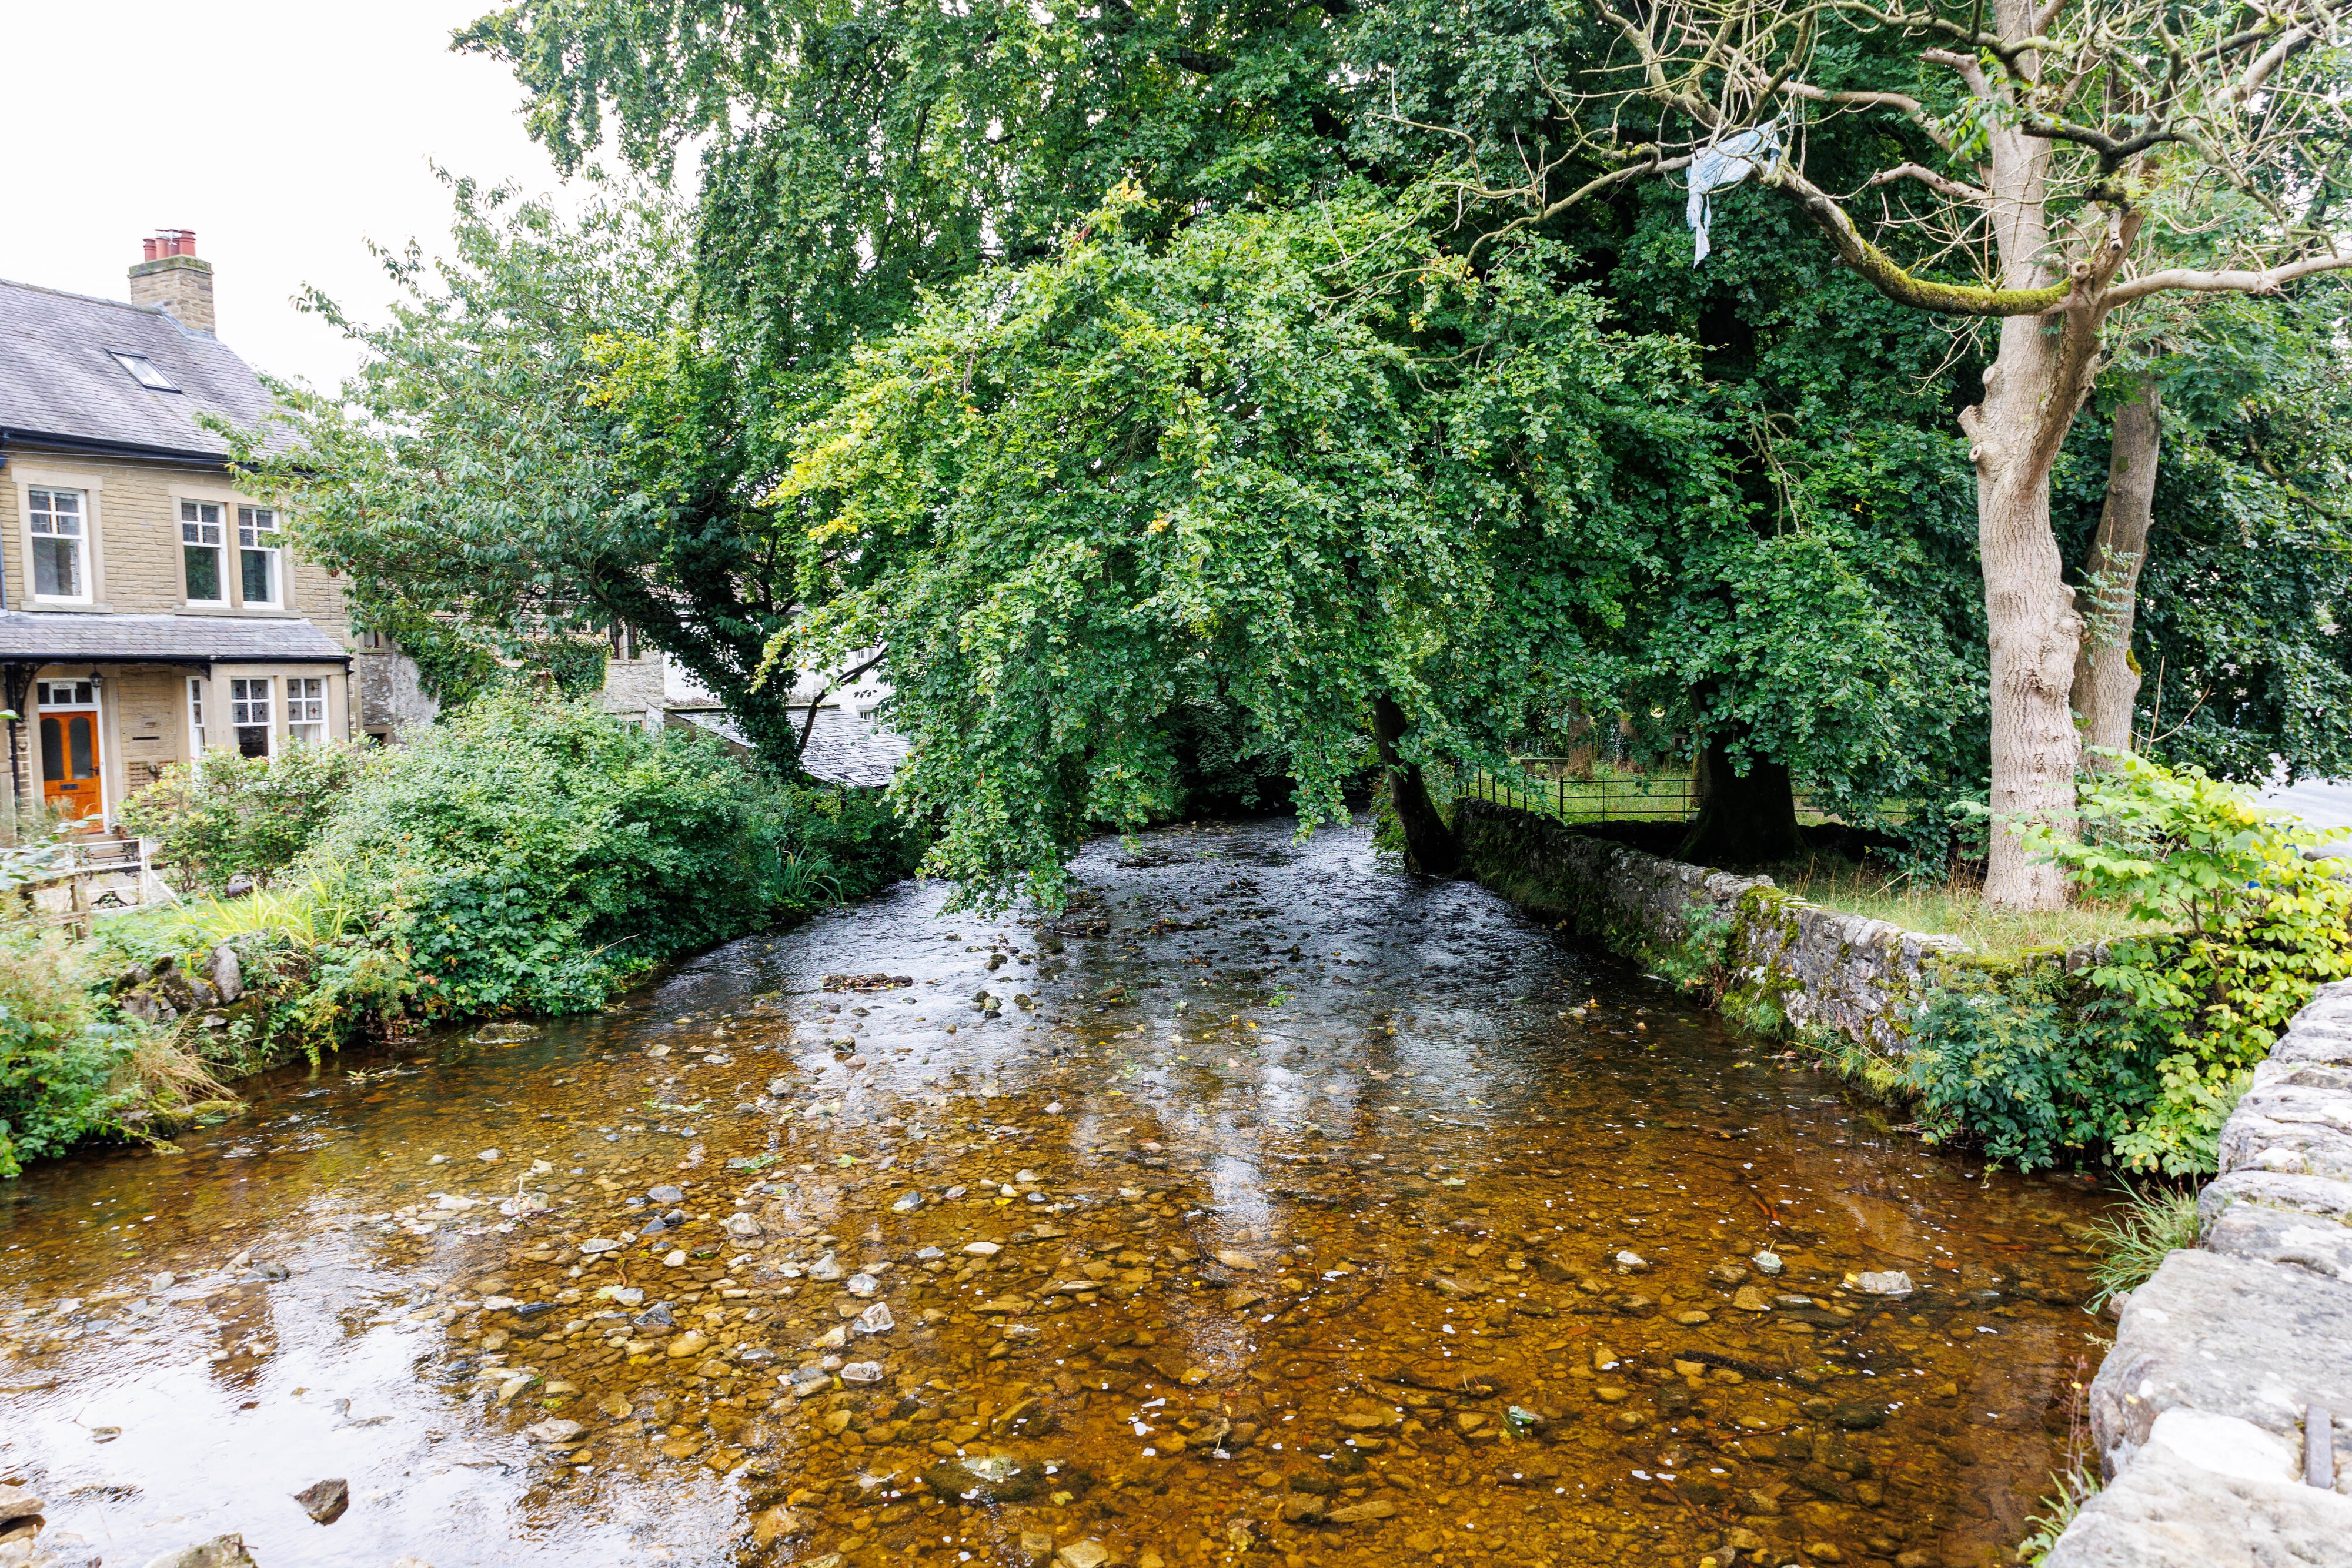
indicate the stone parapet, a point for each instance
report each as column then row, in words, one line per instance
column 2204, row 1411
column 1784, row 962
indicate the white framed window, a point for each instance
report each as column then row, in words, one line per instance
column 61, row 527
column 202, row 550
column 248, row 715
column 306, row 707
column 259, row 547
column 65, row 693
column 196, row 720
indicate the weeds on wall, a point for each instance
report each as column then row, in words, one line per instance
column 2155, row 1222
column 2011, row 1061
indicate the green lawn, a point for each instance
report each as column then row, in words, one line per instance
column 1948, row 908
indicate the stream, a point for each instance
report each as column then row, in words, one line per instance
column 1267, row 1206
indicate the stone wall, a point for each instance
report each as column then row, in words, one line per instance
column 1783, row 963
column 2207, row 1413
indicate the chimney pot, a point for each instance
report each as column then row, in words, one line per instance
column 169, row 275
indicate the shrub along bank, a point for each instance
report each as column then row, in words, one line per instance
column 525, row 855
column 2130, row 1052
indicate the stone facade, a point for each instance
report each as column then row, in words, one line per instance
column 1783, row 961
column 135, row 558
column 2207, row 1411
column 132, row 563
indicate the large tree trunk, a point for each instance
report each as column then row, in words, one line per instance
column 2106, row 680
column 2034, row 632
column 2031, row 392
column 1430, row 846
column 1743, row 818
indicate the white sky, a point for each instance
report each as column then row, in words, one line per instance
column 286, row 132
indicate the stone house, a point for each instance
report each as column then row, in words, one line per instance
column 149, row 611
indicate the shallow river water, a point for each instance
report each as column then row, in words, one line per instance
column 1270, row 1206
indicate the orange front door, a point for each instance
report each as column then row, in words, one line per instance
column 69, row 763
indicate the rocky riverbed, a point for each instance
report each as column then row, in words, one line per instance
column 1267, row 1205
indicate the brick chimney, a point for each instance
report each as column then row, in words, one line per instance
column 172, row 277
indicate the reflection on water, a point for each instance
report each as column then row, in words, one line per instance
column 1267, row 1204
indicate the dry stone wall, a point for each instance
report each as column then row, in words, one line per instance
column 2223, row 1415
column 1786, row 962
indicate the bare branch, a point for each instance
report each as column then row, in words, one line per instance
column 1910, row 108
column 2267, row 63
column 1653, row 166
column 2224, row 281
column 1943, row 184
column 1966, row 66
column 1888, row 276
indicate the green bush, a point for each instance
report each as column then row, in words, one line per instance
column 233, row 815
column 68, row 1073
column 530, row 854
column 527, row 854
column 2012, row 1062
column 2255, row 929
column 56, row 1061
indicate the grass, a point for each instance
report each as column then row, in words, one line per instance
column 1953, row 908
column 307, row 916
column 1608, row 792
column 2155, row 1223
column 2072, row 1490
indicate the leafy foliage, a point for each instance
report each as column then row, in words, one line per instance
column 531, row 855
column 604, row 419
column 233, row 815
column 2259, row 929
column 2244, row 650
column 539, row 447
column 1142, row 480
column 2012, row 1062
column 58, row 1063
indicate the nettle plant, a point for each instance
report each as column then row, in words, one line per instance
column 2252, row 929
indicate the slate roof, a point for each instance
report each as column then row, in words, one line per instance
column 843, row 749
column 57, row 379
column 57, row 637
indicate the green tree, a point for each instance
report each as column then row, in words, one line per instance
column 2070, row 162
column 493, row 500
column 1305, row 463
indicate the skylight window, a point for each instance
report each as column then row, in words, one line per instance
column 142, row 371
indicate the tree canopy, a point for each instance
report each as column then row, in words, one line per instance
column 1130, row 373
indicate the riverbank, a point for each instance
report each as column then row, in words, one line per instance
column 524, row 857
column 1304, row 1206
